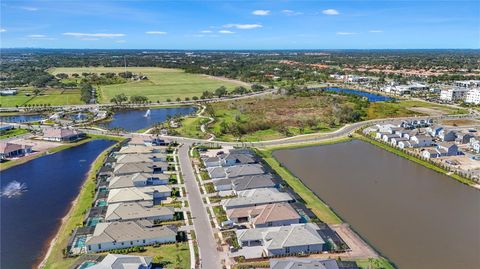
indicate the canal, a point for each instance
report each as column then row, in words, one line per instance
column 136, row 119
column 31, row 219
column 414, row 216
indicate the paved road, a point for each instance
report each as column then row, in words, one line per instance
column 209, row 256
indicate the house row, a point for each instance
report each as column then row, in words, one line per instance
column 127, row 200
column 268, row 215
column 435, row 140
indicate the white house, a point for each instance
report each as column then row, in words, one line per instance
column 422, row 140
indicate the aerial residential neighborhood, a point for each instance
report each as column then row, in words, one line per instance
column 239, row 134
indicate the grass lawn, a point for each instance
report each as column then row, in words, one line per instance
column 172, row 255
column 190, row 127
column 404, row 108
column 12, row 133
column 312, row 201
column 162, row 83
column 47, row 96
column 379, row 263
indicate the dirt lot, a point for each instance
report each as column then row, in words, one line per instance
column 460, row 122
column 429, row 111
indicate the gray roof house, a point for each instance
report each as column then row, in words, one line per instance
column 117, row 235
column 304, row 263
column 237, row 158
column 211, row 161
column 133, row 168
column 253, row 182
column 142, row 150
column 117, row 261
column 216, row 172
column 148, row 194
column 141, row 158
column 256, row 197
column 136, row 211
column 137, row 180
column 283, row 240
column 244, row 183
column 244, row 170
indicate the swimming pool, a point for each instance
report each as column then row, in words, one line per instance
column 101, row 203
column 92, row 222
column 80, row 241
column 86, row 264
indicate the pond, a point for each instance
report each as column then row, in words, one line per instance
column 416, row 217
column 22, row 118
column 136, row 119
column 31, row 219
column 372, row 97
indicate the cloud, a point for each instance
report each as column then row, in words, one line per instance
column 2, row 30
column 95, row 35
column 29, row 8
column 243, row 26
column 330, row 12
column 156, row 33
column 289, row 12
column 40, row 37
column 261, row 12
column 206, row 32
column 225, row 32
column 376, row 31
column 346, row 33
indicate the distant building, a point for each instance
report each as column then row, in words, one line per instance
column 5, row 92
column 473, row 96
column 453, row 94
column 467, row 83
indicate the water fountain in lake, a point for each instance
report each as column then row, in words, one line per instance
column 147, row 114
column 13, row 189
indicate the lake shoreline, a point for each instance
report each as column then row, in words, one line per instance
column 89, row 178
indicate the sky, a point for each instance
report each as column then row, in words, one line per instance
column 240, row 24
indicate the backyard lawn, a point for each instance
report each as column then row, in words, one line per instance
column 162, row 83
column 46, row 96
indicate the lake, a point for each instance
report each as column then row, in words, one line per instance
column 30, row 220
column 414, row 216
column 372, row 97
column 135, row 119
column 22, row 118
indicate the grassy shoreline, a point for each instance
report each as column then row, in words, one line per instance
column 54, row 257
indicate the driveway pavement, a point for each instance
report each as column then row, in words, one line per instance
column 209, row 256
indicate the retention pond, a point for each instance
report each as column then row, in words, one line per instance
column 416, row 217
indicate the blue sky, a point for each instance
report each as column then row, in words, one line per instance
column 240, row 24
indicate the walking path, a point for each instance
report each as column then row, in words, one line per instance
column 209, row 256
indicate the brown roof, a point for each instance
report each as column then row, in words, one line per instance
column 7, row 147
column 276, row 212
column 59, row 132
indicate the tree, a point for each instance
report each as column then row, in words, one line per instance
column 36, row 91
column 195, row 98
column 138, row 99
column 240, row 90
column 221, row 91
column 178, row 99
column 119, row 99
column 62, row 76
column 206, row 95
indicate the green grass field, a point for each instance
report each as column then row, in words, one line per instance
column 162, row 83
column 47, row 96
